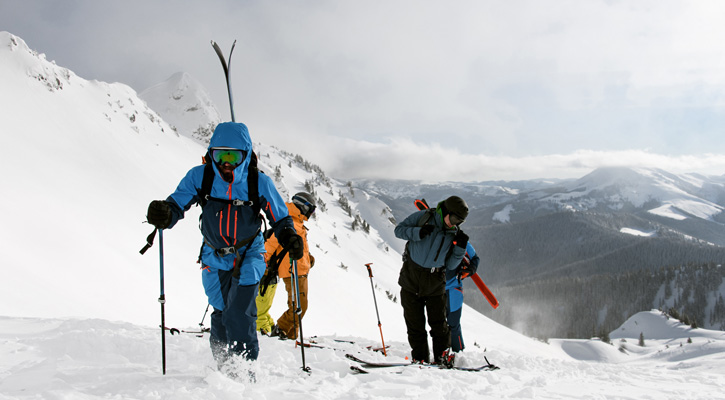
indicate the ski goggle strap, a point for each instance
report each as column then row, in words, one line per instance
column 305, row 207
column 231, row 156
column 455, row 219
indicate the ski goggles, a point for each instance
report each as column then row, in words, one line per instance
column 305, row 207
column 222, row 155
column 455, row 219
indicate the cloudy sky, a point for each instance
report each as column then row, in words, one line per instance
column 433, row 90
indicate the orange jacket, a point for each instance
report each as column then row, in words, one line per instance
column 272, row 246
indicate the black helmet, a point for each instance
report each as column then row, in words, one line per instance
column 456, row 207
column 305, row 202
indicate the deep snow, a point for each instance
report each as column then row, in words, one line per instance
column 97, row 359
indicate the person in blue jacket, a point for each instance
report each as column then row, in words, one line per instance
column 232, row 254
column 435, row 244
column 454, row 293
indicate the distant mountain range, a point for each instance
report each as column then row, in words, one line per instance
column 548, row 247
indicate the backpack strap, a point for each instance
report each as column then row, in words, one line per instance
column 425, row 218
column 252, row 185
column 204, row 194
column 206, row 181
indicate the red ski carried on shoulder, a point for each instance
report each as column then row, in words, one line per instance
column 487, row 293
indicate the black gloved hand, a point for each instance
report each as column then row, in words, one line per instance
column 466, row 270
column 159, row 214
column 471, row 269
column 296, row 247
column 292, row 242
column 461, row 239
column 425, row 230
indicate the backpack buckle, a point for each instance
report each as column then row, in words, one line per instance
column 225, row 251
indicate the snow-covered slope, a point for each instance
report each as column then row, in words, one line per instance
column 79, row 304
column 184, row 103
column 87, row 158
column 99, row 359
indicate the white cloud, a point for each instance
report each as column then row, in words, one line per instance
column 495, row 83
column 407, row 159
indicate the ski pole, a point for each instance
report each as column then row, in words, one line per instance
column 162, row 300
column 370, row 272
column 298, row 311
column 201, row 324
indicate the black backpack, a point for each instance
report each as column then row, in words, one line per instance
column 252, row 184
column 204, row 194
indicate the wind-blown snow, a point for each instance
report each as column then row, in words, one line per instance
column 80, row 317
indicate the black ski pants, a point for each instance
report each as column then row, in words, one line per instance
column 415, row 309
column 423, row 292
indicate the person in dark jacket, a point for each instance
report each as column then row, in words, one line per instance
column 454, row 295
column 232, row 254
column 435, row 244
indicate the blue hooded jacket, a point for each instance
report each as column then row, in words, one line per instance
column 224, row 225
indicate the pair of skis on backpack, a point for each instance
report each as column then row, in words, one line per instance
column 372, row 364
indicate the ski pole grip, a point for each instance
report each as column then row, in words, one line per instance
column 370, row 270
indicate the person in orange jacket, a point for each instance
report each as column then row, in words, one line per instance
column 278, row 263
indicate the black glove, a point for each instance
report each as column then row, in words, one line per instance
column 426, row 230
column 471, row 269
column 466, row 270
column 159, row 214
column 296, row 247
column 461, row 239
column 292, row 242
column 269, row 278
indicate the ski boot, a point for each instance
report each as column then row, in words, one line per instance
column 446, row 359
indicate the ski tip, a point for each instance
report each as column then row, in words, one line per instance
column 358, row 369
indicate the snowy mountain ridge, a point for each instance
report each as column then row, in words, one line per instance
column 692, row 195
column 681, row 196
column 184, row 103
column 93, row 132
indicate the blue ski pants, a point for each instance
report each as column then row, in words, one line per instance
column 234, row 329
